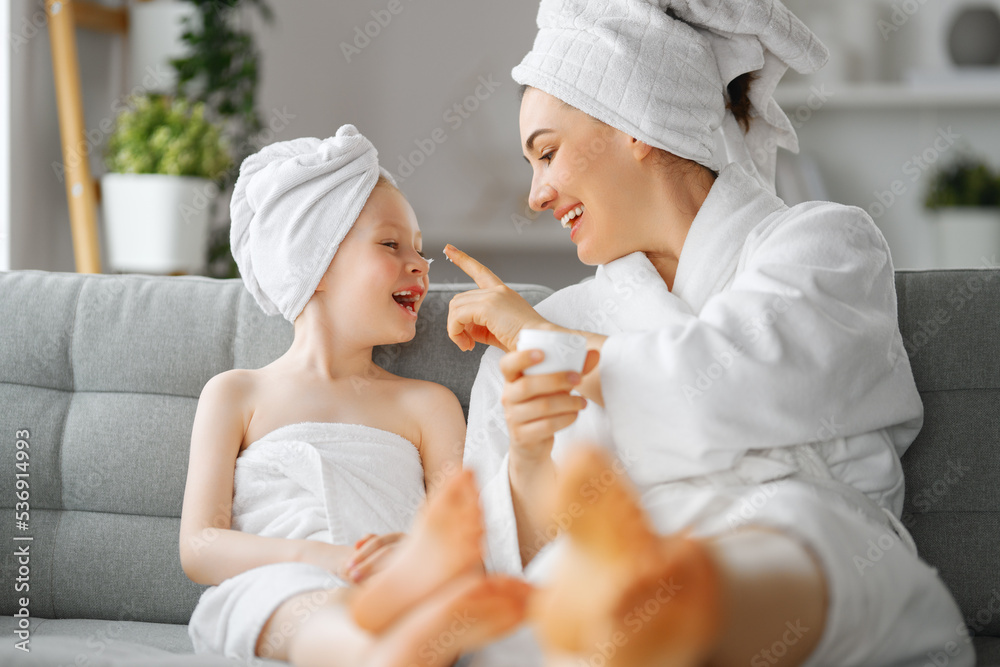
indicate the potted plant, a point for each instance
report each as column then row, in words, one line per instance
column 221, row 68
column 966, row 197
column 164, row 158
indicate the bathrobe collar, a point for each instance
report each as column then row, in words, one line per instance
column 735, row 205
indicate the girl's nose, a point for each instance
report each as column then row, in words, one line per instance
column 419, row 264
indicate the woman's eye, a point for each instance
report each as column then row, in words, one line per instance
column 548, row 156
column 390, row 244
column 421, row 253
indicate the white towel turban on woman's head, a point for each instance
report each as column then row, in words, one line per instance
column 293, row 204
column 658, row 71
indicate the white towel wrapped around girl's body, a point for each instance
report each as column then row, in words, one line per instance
column 322, row 481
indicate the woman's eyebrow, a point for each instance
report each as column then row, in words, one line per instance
column 530, row 143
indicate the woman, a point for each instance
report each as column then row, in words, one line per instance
column 746, row 367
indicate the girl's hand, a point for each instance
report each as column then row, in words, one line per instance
column 371, row 554
column 537, row 406
column 493, row 314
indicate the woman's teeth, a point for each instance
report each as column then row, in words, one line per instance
column 576, row 212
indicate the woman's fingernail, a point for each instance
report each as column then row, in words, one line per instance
column 573, row 377
column 537, row 355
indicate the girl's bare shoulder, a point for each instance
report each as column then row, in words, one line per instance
column 428, row 401
column 413, row 388
column 231, row 394
column 233, row 383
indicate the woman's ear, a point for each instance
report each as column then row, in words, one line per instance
column 640, row 149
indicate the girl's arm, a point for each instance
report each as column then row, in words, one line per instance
column 442, row 434
column 210, row 550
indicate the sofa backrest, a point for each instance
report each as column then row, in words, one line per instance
column 104, row 372
column 950, row 322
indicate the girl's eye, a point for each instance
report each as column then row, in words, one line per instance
column 548, row 156
column 395, row 246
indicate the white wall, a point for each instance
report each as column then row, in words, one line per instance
column 5, row 142
column 400, row 89
column 862, row 153
column 431, row 53
column 892, row 135
column 429, row 56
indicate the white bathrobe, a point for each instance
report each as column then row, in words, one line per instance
column 769, row 386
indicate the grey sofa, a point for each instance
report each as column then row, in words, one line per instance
column 104, row 374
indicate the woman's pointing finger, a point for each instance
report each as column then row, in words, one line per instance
column 475, row 270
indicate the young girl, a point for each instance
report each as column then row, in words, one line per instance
column 294, row 466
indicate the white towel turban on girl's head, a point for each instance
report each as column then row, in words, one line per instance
column 293, row 204
column 658, row 70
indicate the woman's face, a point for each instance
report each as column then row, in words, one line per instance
column 577, row 164
column 378, row 277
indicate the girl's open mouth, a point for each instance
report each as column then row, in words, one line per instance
column 407, row 300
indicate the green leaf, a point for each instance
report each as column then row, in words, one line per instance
column 968, row 181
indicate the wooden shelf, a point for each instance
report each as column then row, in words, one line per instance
column 64, row 17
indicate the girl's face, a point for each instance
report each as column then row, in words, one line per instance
column 378, row 277
column 580, row 164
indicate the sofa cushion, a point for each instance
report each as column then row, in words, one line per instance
column 89, row 643
column 987, row 651
column 105, row 372
column 168, row 637
column 950, row 322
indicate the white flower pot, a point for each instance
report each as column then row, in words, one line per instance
column 155, row 223
column 967, row 236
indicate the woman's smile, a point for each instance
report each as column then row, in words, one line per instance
column 568, row 216
column 575, row 227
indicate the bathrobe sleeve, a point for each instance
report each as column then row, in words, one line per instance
column 486, row 454
column 804, row 342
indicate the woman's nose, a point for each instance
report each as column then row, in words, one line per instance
column 540, row 196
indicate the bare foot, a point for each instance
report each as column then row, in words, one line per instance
column 445, row 543
column 621, row 591
column 462, row 616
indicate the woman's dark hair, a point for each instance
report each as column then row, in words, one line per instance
column 739, row 99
